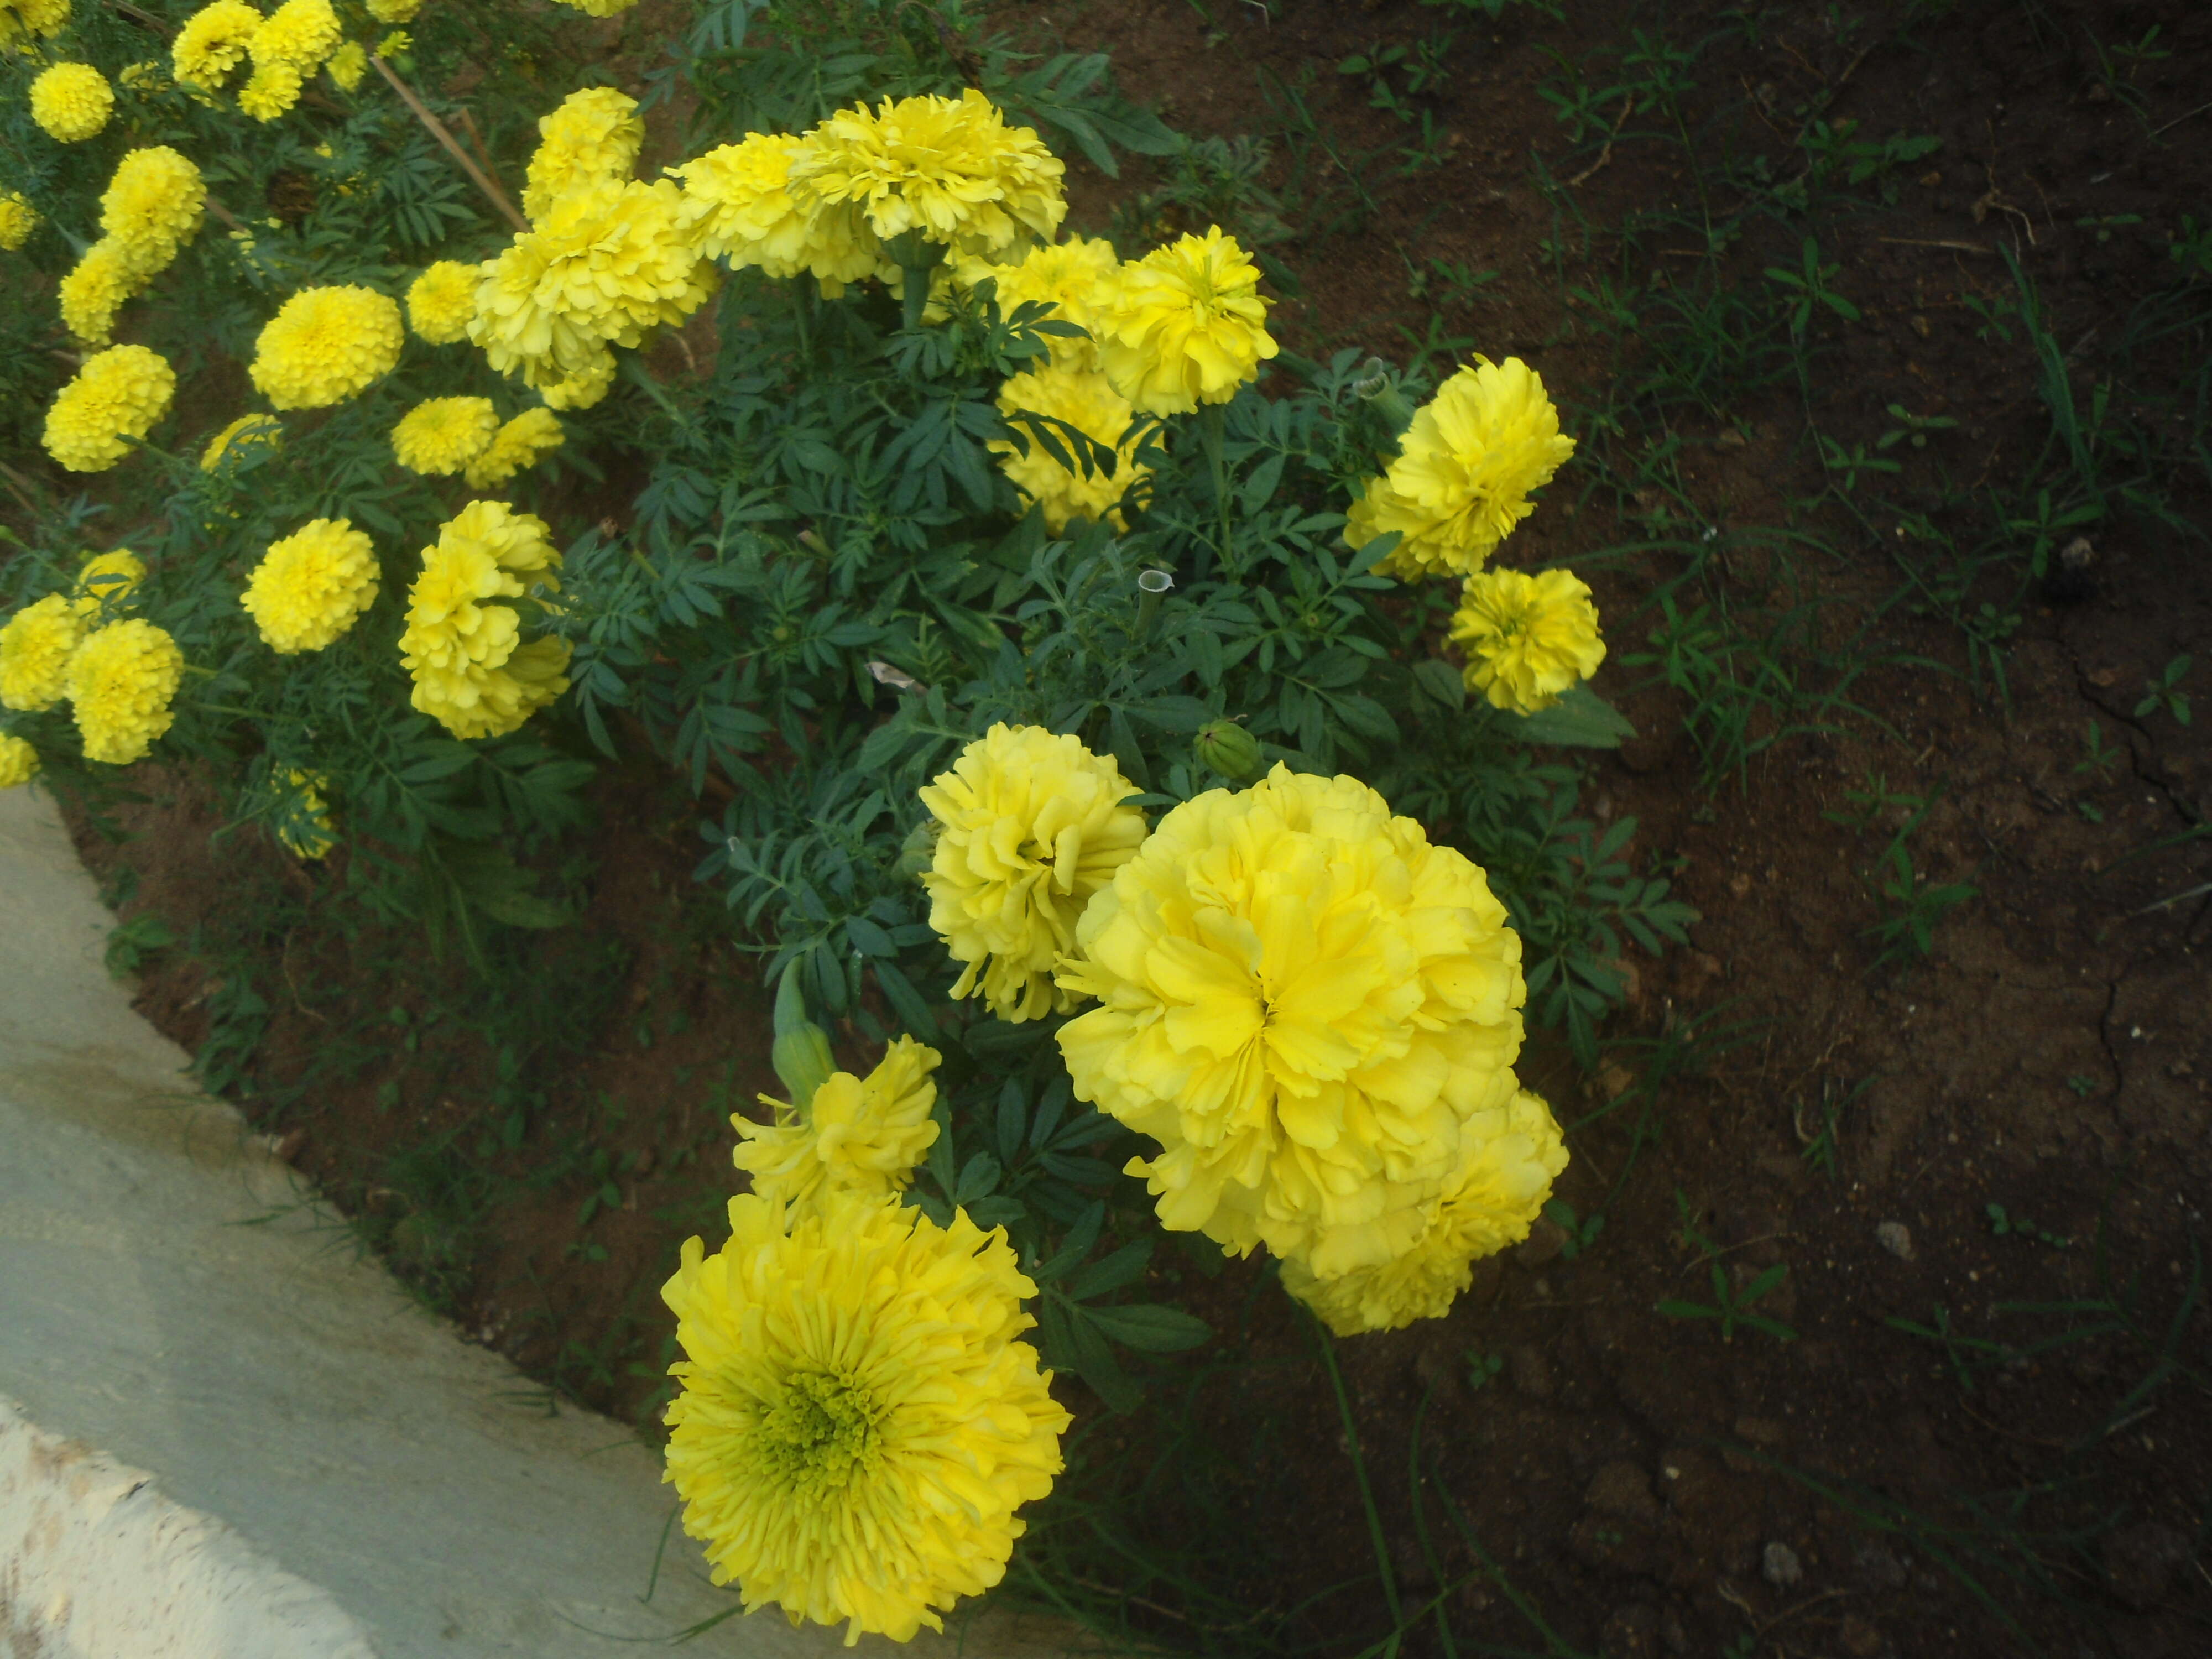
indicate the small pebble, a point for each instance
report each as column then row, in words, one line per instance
column 1779, row 1566
column 1895, row 1237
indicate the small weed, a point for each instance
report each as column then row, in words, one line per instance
column 1808, row 288
column 1582, row 1231
column 1915, row 428
column 134, row 942
column 1482, row 1368
column 2083, row 1087
column 1731, row 1307
column 2160, row 694
column 2099, row 762
column 2011, row 1224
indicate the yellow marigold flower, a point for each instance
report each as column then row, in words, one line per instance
column 143, row 79
column 35, row 647
column 600, row 8
column 394, row 44
column 271, row 90
column 1185, row 325
column 119, row 393
column 120, row 683
column 19, row 762
column 303, row 820
column 441, row 435
column 1464, row 471
column 1527, row 638
column 861, row 1135
column 1085, row 401
column 153, row 206
column 325, row 345
column 948, row 169
column 738, row 203
column 71, row 101
column 1305, row 1004
column 107, row 579
column 213, row 42
column 22, row 19
column 472, row 674
column 394, row 11
column 301, row 33
column 1077, row 278
column 605, row 264
column 515, row 447
column 239, row 436
column 95, row 290
column 1029, row 826
column 311, row 586
column 347, row 65
column 18, row 219
column 440, row 301
column 1509, row 1156
column 594, row 135
column 857, row 1421
column 577, row 388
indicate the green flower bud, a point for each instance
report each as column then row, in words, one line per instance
column 919, row 851
column 1229, row 749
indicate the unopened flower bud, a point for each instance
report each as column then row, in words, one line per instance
column 1229, row 749
column 919, row 851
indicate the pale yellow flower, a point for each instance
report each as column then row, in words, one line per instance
column 36, row 644
column 440, row 301
column 119, row 394
column 592, row 137
column 272, row 89
column 346, row 67
column 1527, row 638
column 121, row 682
column 473, row 673
column 394, row 44
column 394, row 11
column 301, row 33
column 862, row 1135
column 738, row 203
column 95, row 290
column 515, row 447
column 19, row 762
column 213, row 42
column 311, row 586
column 1077, row 278
column 1084, row 399
column 21, row 20
column 325, row 345
column 600, row 8
column 18, row 219
column 1185, row 325
column 153, row 207
column 441, row 435
column 71, row 101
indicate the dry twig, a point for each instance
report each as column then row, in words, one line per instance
column 437, row 130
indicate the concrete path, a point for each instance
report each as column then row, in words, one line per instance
column 332, row 1472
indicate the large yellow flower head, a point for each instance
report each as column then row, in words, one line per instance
column 861, row 1135
column 311, row 586
column 1077, row 277
column 71, row 101
column 107, row 581
column 120, row 683
column 153, row 206
column 606, row 263
column 473, row 674
column 441, row 435
column 22, row 19
column 18, row 219
column 515, row 447
column 1509, row 1156
column 239, row 436
column 347, row 65
column 440, row 301
column 1030, row 824
column 119, row 394
column 303, row 822
column 739, row 204
column 301, row 33
column 576, row 386
column 594, row 137
column 213, row 42
column 1527, row 638
column 1305, row 1004
column 19, row 762
column 271, row 90
column 858, row 1421
column 95, row 290
column 1085, row 400
column 35, row 647
column 948, row 169
column 1464, row 471
column 1186, row 325
column 325, row 345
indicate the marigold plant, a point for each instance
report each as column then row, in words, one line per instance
column 19, row 762
column 440, row 301
column 861, row 1135
column 120, row 683
column 325, row 345
column 1185, row 325
column 117, row 396
column 473, row 672
column 311, row 586
column 36, row 644
column 72, row 102
column 441, row 435
column 1086, row 400
column 1527, row 638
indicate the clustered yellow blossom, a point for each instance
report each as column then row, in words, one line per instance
column 857, row 1421
column 1086, row 400
column 35, row 647
column 1463, row 473
column 18, row 219
column 325, row 345
column 1185, row 325
column 472, row 673
column 595, row 134
column 119, row 394
column 303, row 822
column 1307, row 1004
column 107, row 580
column 440, row 301
column 861, row 1135
column 1030, row 824
column 739, row 204
column 20, row 20
column 515, row 447
column 441, row 435
column 288, row 47
column 121, row 681
column 213, row 42
column 1077, row 277
column 1527, row 638
column 19, row 762
column 346, row 67
column 71, row 101
column 151, row 208
column 239, row 436
column 311, row 586
column 95, row 291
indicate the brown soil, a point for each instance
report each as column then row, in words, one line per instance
column 1630, row 1474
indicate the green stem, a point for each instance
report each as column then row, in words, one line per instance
column 1359, row 1474
column 1211, row 420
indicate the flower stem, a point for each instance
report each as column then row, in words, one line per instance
column 1382, row 1564
column 1211, row 421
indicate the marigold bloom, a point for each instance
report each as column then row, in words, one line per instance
column 271, row 90
column 739, row 204
column 213, row 42
column 18, row 219
column 593, row 136
column 71, row 101
column 19, row 762
column 242, row 434
column 311, row 586
column 862, row 1135
column 394, row 11
column 1030, row 825
column 394, row 44
column 440, row 301
column 325, row 345
column 1305, row 1004
column 22, row 19
column 120, row 683
column 36, row 644
column 577, row 388
column 515, row 447
column 345, row 68
column 96, row 288
column 153, row 206
column 119, row 393
column 1527, row 638
column 441, row 435
column 600, row 8
column 107, row 579
column 1077, row 278
column 1186, row 325
column 1084, row 399
column 1463, row 473
column 472, row 673
column 1509, row 1156
column 303, row 822
column 301, row 33
column 857, row 1421
column 948, row 169
column 143, row 79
